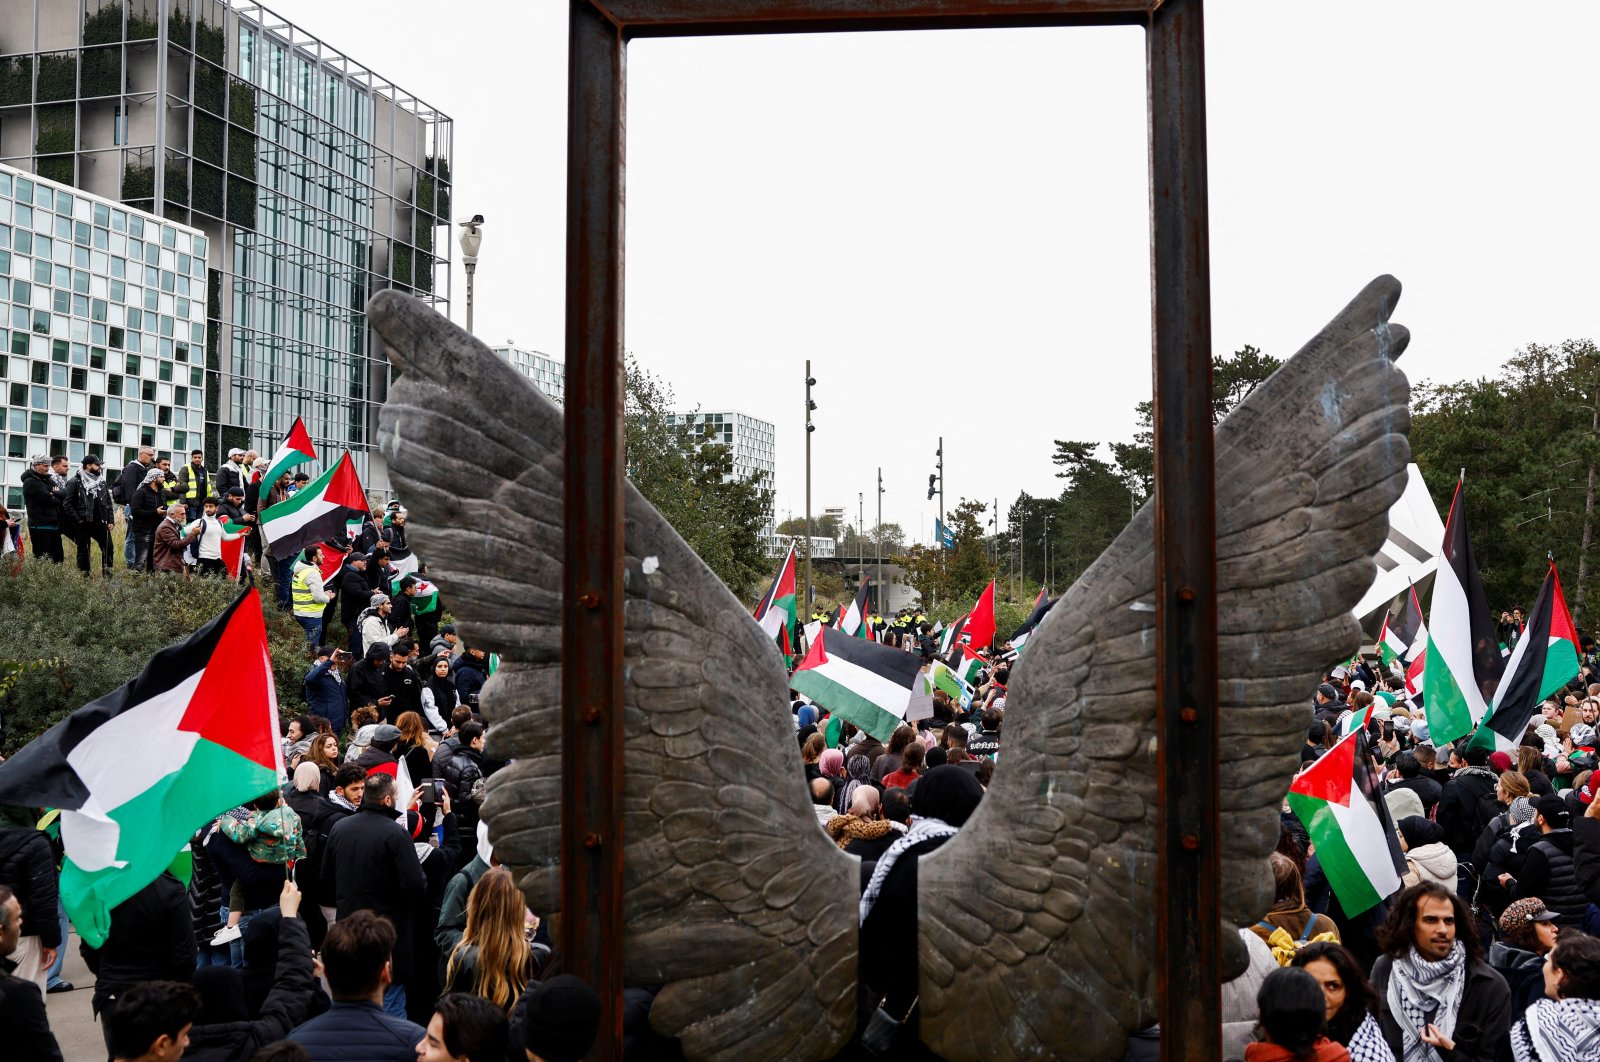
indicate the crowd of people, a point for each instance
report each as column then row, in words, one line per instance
column 360, row 912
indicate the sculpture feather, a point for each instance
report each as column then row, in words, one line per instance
column 1043, row 906
column 736, row 901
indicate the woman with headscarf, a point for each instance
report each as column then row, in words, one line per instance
column 439, row 696
column 805, row 723
column 831, row 766
column 858, row 771
column 149, row 506
column 942, row 802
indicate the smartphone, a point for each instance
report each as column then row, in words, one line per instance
column 438, row 790
column 290, row 865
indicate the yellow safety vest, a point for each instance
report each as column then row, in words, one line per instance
column 304, row 604
column 190, row 473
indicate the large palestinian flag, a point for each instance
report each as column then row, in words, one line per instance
column 319, row 510
column 295, row 450
column 136, row 772
column 1544, row 661
column 776, row 612
column 866, row 683
column 1339, row 799
column 1464, row 660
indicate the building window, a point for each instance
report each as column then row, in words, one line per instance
column 119, row 127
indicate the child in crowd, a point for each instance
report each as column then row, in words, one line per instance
column 271, row 833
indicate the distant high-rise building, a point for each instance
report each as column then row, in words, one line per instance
column 752, row 441
column 315, row 181
column 99, row 353
column 547, row 374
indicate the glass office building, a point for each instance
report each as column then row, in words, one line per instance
column 102, row 328
column 315, row 182
column 547, row 374
column 752, row 441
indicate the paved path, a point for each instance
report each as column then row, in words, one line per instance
column 71, row 1017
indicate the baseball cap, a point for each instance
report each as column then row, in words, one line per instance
column 1554, row 809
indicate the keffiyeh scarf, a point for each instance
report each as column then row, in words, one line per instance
column 921, row 830
column 93, row 485
column 1368, row 1044
column 1423, row 993
column 1558, row 1030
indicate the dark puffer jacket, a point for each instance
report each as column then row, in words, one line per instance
column 285, row 1005
column 42, row 499
column 205, row 890
column 28, row 869
column 1548, row 873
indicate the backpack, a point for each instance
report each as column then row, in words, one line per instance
column 1284, row 947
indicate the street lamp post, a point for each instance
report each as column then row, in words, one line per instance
column 1046, row 579
column 810, row 427
column 471, row 240
column 880, row 594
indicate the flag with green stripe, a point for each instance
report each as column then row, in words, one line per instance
column 295, row 450
column 1338, row 798
column 1544, row 661
column 1464, row 661
column 866, row 683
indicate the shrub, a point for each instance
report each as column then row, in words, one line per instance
column 103, row 26
column 58, row 76
column 210, row 41
column 16, row 80
column 56, row 168
column 71, row 639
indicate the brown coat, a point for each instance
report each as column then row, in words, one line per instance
column 168, row 552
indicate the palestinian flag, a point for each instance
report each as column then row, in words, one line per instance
column 427, row 596
column 1399, row 638
column 866, row 684
column 776, row 613
column 139, row 770
column 969, row 664
column 317, row 511
column 232, row 550
column 952, row 636
column 1020, row 636
column 295, row 450
column 1545, row 660
column 1339, row 799
column 980, row 622
column 1464, row 660
column 853, row 622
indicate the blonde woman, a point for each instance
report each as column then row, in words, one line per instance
column 494, row 958
column 416, row 746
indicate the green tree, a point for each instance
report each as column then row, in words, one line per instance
column 690, row 481
column 821, row 527
column 1233, row 377
column 1529, row 441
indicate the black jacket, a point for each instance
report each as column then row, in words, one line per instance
column 1586, row 856
column 1427, row 789
column 1548, row 873
column 82, row 509
column 151, row 939
column 228, row 476
column 366, row 684
column 328, row 815
column 205, row 889
column 1523, row 972
column 42, row 498
column 1466, row 805
column 470, row 678
column 23, row 1017
column 359, row 1031
column 1482, row 1020
column 122, row 490
column 404, row 685
column 285, row 1006
column 28, row 869
column 325, row 689
column 354, row 594
column 368, row 864
column 147, row 504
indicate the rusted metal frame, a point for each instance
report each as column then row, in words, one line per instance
column 591, row 932
column 1188, row 889
column 1188, row 923
column 668, row 18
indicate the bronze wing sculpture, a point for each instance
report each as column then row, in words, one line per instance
column 736, row 902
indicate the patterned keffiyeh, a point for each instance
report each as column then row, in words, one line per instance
column 1368, row 1044
column 1558, row 1030
column 921, row 830
column 1423, row 993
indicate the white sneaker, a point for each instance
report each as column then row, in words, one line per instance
column 225, row 935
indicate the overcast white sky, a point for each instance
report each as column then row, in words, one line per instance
column 952, row 226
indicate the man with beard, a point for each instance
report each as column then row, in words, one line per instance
column 88, row 499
